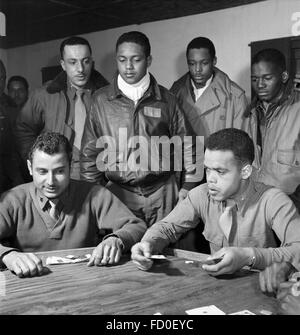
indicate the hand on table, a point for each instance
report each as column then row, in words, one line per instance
column 271, row 277
column 140, row 254
column 108, row 251
column 23, row 264
column 233, row 259
column 289, row 298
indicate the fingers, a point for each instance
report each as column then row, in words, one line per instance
column 144, row 265
column 25, row 265
column 140, row 255
column 222, row 267
column 272, row 276
column 107, row 252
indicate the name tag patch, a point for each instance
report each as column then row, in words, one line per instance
column 152, row 112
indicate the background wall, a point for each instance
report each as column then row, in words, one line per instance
column 231, row 30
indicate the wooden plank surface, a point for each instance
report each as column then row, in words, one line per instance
column 171, row 287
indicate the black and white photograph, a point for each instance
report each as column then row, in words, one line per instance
column 150, row 161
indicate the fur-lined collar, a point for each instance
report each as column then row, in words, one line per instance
column 59, row 83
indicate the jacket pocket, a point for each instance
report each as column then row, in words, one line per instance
column 213, row 236
column 289, row 157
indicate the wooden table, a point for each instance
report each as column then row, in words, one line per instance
column 171, row 287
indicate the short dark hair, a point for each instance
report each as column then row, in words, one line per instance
column 73, row 40
column 202, row 42
column 235, row 140
column 18, row 78
column 273, row 56
column 51, row 143
column 135, row 37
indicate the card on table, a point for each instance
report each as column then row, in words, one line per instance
column 205, row 310
column 53, row 260
column 158, row 257
column 244, row 312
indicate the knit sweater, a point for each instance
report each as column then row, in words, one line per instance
column 26, row 225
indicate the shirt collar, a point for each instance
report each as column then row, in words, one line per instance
column 72, row 90
column 44, row 201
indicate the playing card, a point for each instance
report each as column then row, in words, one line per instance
column 205, row 310
column 54, row 260
column 244, row 312
column 212, row 261
column 157, row 257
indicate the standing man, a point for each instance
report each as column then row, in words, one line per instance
column 134, row 108
column 10, row 174
column 62, row 104
column 275, row 121
column 209, row 99
column 56, row 213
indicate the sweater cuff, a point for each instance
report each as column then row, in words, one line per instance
column 127, row 240
column 4, row 251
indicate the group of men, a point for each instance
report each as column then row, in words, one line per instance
column 120, row 166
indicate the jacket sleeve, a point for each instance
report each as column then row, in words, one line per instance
column 29, row 123
column 113, row 215
column 239, row 106
column 90, row 161
column 284, row 219
column 192, row 149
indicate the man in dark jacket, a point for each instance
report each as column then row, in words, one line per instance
column 210, row 100
column 9, row 164
column 62, row 104
column 132, row 119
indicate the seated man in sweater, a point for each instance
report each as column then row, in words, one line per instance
column 240, row 215
column 55, row 213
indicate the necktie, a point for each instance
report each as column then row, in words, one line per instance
column 226, row 220
column 53, row 211
column 80, row 114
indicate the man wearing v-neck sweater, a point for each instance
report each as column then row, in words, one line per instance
column 83, row 212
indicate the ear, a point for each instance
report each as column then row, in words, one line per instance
column 285, row 76
column 62, row 63
column 149, row 61
column 29, row 166
column 215, row 61
column 246, row 171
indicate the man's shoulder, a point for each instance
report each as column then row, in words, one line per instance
column 223, row 81
column 179, row 83
column 17, row 195
column 270, row 193
column 104, row 92
column 84, row 188
column 200, row 190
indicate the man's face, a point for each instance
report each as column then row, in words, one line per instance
column 77, row 62
column 223, row 174
column 50, row 173
column 132, row 62
column 266, row 80
column 201, row 66
column 2, row 78
column 18, row 92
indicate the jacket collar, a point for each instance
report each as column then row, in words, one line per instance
column 60, row 83
column 256, row 104
column 114, row 91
